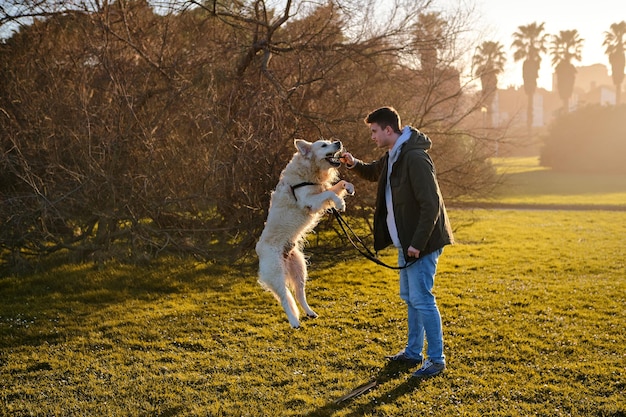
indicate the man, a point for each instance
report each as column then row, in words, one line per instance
column 410, row 214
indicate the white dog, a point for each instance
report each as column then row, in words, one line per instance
column 304, row 192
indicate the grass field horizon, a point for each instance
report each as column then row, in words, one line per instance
column 532, row 303
column 526, row 182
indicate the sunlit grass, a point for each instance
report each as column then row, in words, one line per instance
column 517, row 165
column 525, row 182
column 532, row 303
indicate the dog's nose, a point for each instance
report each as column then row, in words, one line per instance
column 337, row 143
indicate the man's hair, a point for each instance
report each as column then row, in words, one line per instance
column 385, row 116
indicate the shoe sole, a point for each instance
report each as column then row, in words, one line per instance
column 428, row 376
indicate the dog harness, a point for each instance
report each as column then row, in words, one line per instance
column 302, row 184
column 290, row 245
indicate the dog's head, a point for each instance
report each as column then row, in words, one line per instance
column 323, row 153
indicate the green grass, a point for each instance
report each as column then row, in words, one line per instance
column 532, row 304
column 524, row 182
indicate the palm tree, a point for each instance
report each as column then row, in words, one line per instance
column 430, row 39
column 488, row 63
column 566, row 46
column 614, row 43
column 529, row 43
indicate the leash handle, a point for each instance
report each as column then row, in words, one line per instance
column 367, row 253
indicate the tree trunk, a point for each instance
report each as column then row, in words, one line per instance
column 529, row 114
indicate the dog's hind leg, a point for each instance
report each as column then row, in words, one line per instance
column 289, row 305
column 273, row 277
column 297, row 276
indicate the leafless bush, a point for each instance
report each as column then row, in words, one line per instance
column 127, row 132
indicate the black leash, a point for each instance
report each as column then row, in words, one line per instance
column 366, row 252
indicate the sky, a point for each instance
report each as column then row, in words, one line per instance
column 501, row 18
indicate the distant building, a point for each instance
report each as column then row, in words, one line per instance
column 508, row 111
column 603, row 95
column 593, row 86
column 510, row 107
column 590, row 77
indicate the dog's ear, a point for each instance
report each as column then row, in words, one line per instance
column 303, row 146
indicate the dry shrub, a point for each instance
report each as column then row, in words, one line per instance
column 128, row 133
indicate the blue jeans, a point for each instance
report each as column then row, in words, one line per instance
column 416, row 285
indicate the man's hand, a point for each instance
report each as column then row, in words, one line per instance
column 412, row 252
column 347, row 159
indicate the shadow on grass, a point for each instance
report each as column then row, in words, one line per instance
column 116, row 283
column 386, row 376
column 39, row 307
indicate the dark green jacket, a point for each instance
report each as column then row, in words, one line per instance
column 418, row 206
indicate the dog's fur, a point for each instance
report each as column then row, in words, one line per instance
column 295, row 209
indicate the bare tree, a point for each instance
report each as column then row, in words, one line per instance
column 129, row 132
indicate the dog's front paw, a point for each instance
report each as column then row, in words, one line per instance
column 349, row 187
column 341, row 206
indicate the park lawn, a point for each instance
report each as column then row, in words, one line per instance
column 532, row 304
column 525, row 182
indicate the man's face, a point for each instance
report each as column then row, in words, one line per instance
column 381, row 136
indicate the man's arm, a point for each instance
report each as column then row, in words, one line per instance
column 426, row 192
column 370, row 172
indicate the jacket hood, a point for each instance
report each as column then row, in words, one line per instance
column 418, row 140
